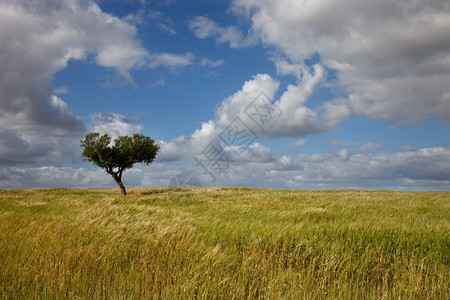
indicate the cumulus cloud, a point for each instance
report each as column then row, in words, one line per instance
column 288, row 116
column 251, row 114
column 298, row 119
column 234, row 105
column 344, row 154
column 423, row 169
column 24, row 148
column 154, row 175
column 53, row 176
column 423, row 164
column 38, row 39
column 27, row 148
column 213, row 131
column 252, row 153
column 391, row 57
column 113, row 124
column 233, row 138
column 284, row 67
column 177, row 149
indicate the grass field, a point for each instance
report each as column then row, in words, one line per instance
column 224, row 243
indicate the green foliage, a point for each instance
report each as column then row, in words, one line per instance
column 224, row 243
column 125, row 152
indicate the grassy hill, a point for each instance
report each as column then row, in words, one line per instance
column 224, row 243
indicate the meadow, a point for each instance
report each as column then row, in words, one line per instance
column 224, row 243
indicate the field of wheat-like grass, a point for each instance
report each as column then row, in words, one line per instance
column 224, row 243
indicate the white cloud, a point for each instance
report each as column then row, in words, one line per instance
column 251, row 114
column 38, row 39
column 204, row 27
column 370, row 146
column 284, row 67
column 344, row 154
column 391, row 57
column 414, row 170
column 35, row 43
column 297, row 143
column 113, row 124
column 190, row 147
column 290, row 116
column 60, row 90
column 151, row 18
column 52, row 176
column 249, row 163
column 234, row 105
column 298, row 119
column 171, row 60
column 174, row 150
column 205, row 62
column 424, row 169
column 29, row 148
column 255, row 153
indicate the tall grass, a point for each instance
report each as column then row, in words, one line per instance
column 224, row 243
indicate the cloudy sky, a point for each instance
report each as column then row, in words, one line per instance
column 312, row 94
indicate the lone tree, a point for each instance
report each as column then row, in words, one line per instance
column 125, row 152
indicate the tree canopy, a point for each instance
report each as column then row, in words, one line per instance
column 123, row 154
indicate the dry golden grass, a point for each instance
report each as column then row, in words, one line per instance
column 223, row 243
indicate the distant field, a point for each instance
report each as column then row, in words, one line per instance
column 224, row 243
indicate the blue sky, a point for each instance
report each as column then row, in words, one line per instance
column 350, row 94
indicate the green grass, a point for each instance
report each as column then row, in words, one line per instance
column 224, row 243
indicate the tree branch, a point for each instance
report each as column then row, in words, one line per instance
column 109, row 170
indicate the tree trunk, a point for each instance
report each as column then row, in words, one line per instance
column 122, row 189
column 119, row 183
